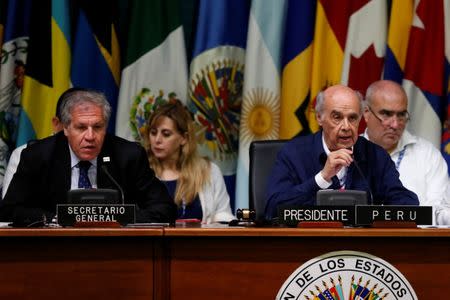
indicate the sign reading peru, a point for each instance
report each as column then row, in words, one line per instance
column 346, row 275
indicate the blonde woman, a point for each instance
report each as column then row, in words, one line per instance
column 195, row 183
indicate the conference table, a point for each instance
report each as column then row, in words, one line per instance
column 202, row 262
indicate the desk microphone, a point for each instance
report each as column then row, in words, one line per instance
column 106, row 159
column 365, row 179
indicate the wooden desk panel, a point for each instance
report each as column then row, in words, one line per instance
column 199, row 263
column 254, row 263
column 78, row 264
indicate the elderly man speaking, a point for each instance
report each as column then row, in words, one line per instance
column 330, row 158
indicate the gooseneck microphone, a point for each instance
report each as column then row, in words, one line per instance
column 365, row 179
column 106, row 160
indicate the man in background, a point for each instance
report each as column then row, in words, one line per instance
column 422, row 168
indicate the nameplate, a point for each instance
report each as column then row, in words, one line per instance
column 292, row 215
column 69, row 214
column 367, row 214
column 359, row 215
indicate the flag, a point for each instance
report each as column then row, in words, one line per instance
column 260, row 105
column 418, row 58
column 365, row 45
column 48, row 67
column 328, row 43
column 330, row 34
column 14, row 36
column 297, row 63
column 3, row 6
column 12, row 68
column 216, row 79
column 96, row 54
column 155, row 65
column 446, row 131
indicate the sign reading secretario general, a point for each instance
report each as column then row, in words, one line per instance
column 346, row 275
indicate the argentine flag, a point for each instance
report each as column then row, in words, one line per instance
column 261, row 94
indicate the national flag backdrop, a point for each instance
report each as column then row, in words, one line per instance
column 14, row 38
column 135, row 52
column 96, row 51
column 446, row 131
column 296, row 100
column 260, row 112
column 154, row 67
column 216, row 81
column 416, row 59
column 47, row 68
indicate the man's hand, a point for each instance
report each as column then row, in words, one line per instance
column 336, row 160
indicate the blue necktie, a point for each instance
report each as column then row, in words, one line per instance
column 83, row 179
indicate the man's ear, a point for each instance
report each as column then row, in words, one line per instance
column 319, row 119
column 366, row 114
column 56, row 123
column 66, row 130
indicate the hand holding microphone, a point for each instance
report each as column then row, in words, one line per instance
column 336, row 160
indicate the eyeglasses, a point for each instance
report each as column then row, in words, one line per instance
column 386, row 116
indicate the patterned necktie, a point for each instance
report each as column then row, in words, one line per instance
column 83, row 179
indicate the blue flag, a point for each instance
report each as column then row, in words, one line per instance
column 95, row 55
column 216, row 80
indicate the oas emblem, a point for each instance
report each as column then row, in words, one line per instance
column 346, row 275
column 215, row 97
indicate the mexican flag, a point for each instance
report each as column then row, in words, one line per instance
column 155, row 68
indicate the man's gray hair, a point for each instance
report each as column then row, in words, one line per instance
column 81, row 96
column 320, row 99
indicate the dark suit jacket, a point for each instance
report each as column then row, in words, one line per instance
column 292, row 179
column 43, row 178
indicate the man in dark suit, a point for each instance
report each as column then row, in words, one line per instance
column 49, row 168
column 329, row 159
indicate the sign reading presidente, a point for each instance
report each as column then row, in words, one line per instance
column 346, row 275
column 291, row 215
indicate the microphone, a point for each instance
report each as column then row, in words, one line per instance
column 364, row 177
column 106, row 159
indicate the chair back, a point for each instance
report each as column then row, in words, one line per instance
column 262, row 157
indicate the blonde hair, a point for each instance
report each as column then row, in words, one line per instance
column 194, row 170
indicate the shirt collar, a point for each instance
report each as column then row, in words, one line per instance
column 74, row 160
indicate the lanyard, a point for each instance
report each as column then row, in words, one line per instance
column 343, row 179
column 400, row 157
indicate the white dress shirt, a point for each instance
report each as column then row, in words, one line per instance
column 92, row 172
column 424, row 171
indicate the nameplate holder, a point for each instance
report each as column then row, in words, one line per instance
column 320, row 224
column 394, row 224
column 113, row 224
column 317, row 216
column 394, row 216
column 81, row 215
